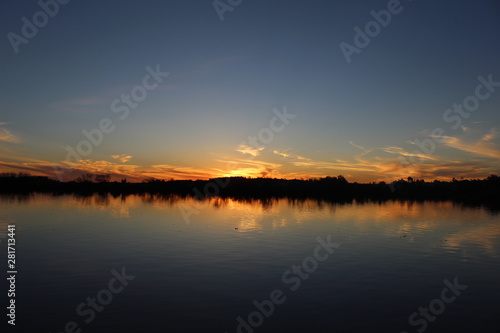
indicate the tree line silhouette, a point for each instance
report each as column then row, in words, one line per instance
column 480, row 191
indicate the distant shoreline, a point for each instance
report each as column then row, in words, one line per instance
column 473, row 191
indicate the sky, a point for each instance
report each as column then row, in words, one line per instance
column 371, row 90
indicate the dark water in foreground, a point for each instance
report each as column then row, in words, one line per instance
column 387, row 261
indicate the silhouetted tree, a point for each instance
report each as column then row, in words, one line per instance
column 103, row 178
column 341, row 179
column 8, row 175
column 85, row 178
column 493, row 179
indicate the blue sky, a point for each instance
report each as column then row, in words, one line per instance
column 357, row 119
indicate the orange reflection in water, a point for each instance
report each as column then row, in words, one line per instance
column 451, row 225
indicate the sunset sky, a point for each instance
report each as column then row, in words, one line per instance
column 367, row 119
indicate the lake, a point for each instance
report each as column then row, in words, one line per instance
column 149, row 263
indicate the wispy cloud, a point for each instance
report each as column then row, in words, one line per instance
column 447, row 170
column 246, row 149
column 359, row 147
column 337, row 165
column 402, row 152
column 177, row 172
column 122, row 158
column 290, row 155
column 6, row 135
column 249, row 168
column 490, row 136
column 70, row 170
column 482, row 147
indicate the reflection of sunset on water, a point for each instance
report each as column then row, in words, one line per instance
column 443, row 224
column 234, row 243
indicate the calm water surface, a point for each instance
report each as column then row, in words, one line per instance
column 391, row 259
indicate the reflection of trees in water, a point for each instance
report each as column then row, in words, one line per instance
column 93, row 199
column 219, row 202
column 101, row 199
column 85, row 199
column 148, row 198
column 319, row 204
column 105, row 199
column 265, row 203
column 16, row 197
column 161, row 198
